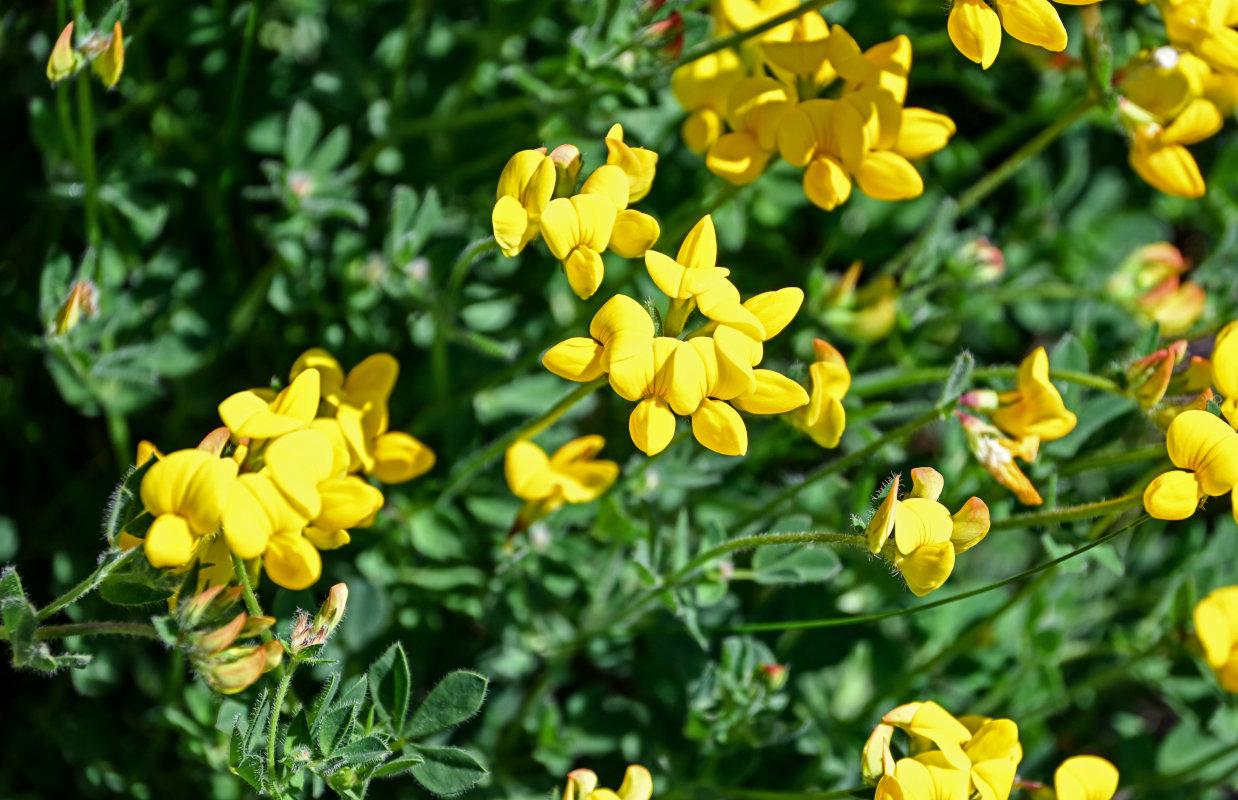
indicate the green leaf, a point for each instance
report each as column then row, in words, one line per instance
column 959, row 378
column 789, row 563
column 322, row 702
column 250, row 770
column 10, row 590
column 355, row 693
column 447, row 770
column 456, row 698
column 397, row 766
column 304, row 128
column 336, row 725
column 391, row 685
column 365, row 750
column 256, row 732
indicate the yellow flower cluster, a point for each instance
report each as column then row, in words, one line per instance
column 968, row 756
column 975, row 26
column 537, row 196
column 1202, row 446
column 1150, row 283
column 773, row 106
column 282, row 480
column 1179, row 94
column 926, row 538
column 582, row 784
column 104, row 51
column 711, row 375
column 1032, row 413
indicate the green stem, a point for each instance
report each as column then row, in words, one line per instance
column 1070, row 513
column 767, row 794
column 275, row 709
column 460, row 269
column 839, row 464
column 887, row 380
column 86, row 586
column 1112, row 460
column 86, row 151
column 739, row 37
column 534, row 426
column 92, row 629
column 836, row 622
column 247, row 589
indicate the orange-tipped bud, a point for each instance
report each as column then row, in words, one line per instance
column 111, row 62
column 64, row 60
column 83, row 301
column 567, row 161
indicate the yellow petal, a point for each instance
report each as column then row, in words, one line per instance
column 922, row 133
column 324, row 539
column 700, row 247
column 637, row 784
column 651, row 425
column 970, row 525
column 637, row 163
column 719, row 427
column 826, row 183
column 346, row 502
column 1085, row 778
column 1224, row 362
column 527, row 470
column 577, row 359
column 921, row 523
column 1202, row 442
column 885, row 175
column 975, row 30
column 1216, row 625
column 774, row 393
column 373, row 378
column 1034, row 22
column 298, row 462
column 585, row 270
column 609, row 181
column 921, row 781
column 512, row 226
column 776, row 309
column 701, row 129
column 292, row 561
column 737, row 157
column 560, row 226
column 882, row 523
column 1172, row 495
column 1169, row 168
column 1200, row 120
column 246, row 523
column 192, row 484
column 330, row 374
column 399, row 457
column 168, row 541
column 634, row 233
column 518, row 171
column 111, row 62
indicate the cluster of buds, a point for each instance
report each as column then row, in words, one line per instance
column 1149, row 283
column 664, row 35
column 209, row 634
column 1169, row 371
column 103, row 50
column 866, row 314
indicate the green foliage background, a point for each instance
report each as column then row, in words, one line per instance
column 303, row 173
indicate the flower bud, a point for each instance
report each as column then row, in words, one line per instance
column 665, row 35
column 111, row 62
column 236, row 669
column 1149, row 377
column 309, row 634
column 774, row 675
column 223, row 636
column 982, row 261
column 566, row 158
column 83, row 299
column 191, row 612
column 64, row 60
column 996, row 454
column 877, row 759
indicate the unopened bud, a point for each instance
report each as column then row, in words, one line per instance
column 983, row 399
column 307, row 633
column 877, row 759
column 215, row 641
column 982, row 261
column 774, row 675
column 111, row 62
column 215, row 441
column 1149, row 377
column 996, row 454
column 194, row 609
column 665, row 35
column 236, row 669
column 83, row 300
column 274, row 653
column 64, row 60
column 566, row 158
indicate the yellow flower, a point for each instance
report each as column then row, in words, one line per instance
column 923, row 778
column 996, row 453
column 805, row 53
column 64, row 59
column 1034, row 411
column 582, row 785
column 1205, row 450
column 702, row 87
column 259, row 520
column 976, row 28
column 576, row 231
column 884, row 66
column 186, row 492
column 637, row 163
column 933, row 724
column 926, row 538
column 525, row 187
column 824, row 417
column 664, row 379
column 1225, row 370
column 1085, row 778
column 619, row 330
column 634, row 231
column 809, row 138
column 255, row 414
column 1203, row 27
column 994, row 752
column 357, row 404
column 755, row 109
column 111, row 62
column 1158, row 153
column 571, row 475
column 1216, row 625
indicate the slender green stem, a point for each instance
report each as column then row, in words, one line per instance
column 460, row 269
column 1003, row 171
column 839, row 464
column 1069, row 513
column 1112, row 460
column 739, row 37
column 275, row 709
column 887, row 380
column 86, row 153
column 93, row 629
column 86, row 586
column 247, row 589
column 534, row 426
column 768, row 794
column 837, row 622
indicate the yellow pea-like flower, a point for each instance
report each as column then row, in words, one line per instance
column 702, row 87
column 805, row 53
column 824, row 418
column 1085, row 778
column 809, row 138
column 186, row 492
column 634, row 231
column 755, row 109
column 64, row 59
column 994, row 752
column 931, row 722
column 637, row 163
column 1205, row 450
column 1225, row 370
column 111, row 62
column 1216, row 626
column 618, row 331
column 1035, row 407
column 975, row 27
column 526, row 185
column 582, row 784
column 577, row 231
column 571, row 475
column 884, row 66
column 1158, row 153
column 255, row 414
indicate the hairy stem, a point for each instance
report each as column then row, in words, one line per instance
column 1070, row 513
column 86, row 586
column 887, row 380
column 92, row 629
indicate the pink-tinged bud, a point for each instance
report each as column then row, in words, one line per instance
column 83, row 301
column 309, row 634
column 236, row 670
column 1175, row 306
column 877, row 758
column 824, row 351
column 566, row 158
column 775, row 675
column 971, row 524
column 580, row 784
column 982, row 399
column 192, row 611
column 1149, row 377
column 926, row 482
column 111, row 62
column 256, row 625
column 215, row 441
column 64, row 60
column 982, row 261
column 216, row 640
column 665, row 35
